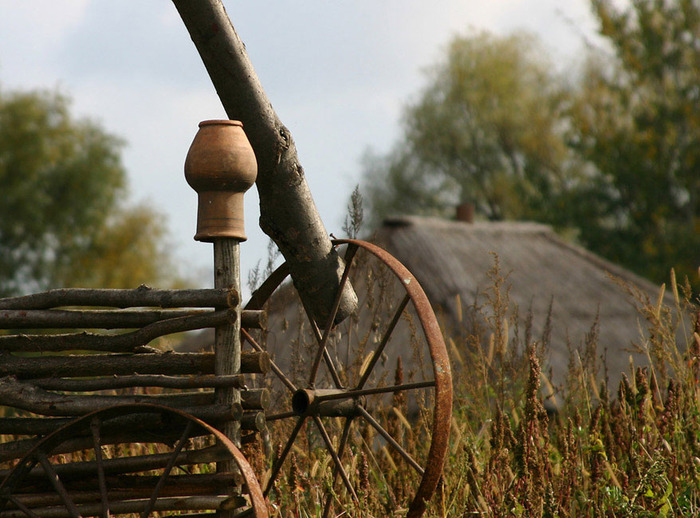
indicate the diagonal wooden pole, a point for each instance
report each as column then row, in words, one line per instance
column 288, row 213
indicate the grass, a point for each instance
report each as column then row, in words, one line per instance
column 632, row 452
column 626, row 451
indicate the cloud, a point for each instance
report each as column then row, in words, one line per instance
column 30, row 33
column 337, row 72
column 131, row 43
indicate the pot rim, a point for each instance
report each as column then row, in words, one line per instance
column 220, row 122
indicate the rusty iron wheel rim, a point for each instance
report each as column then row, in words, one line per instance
column 442, row 381
column 46, row 446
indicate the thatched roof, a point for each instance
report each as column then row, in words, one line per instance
column 451, row 258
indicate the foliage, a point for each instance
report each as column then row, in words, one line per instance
column 355, row 215
column 612, row 156
column 487, row 129
column 63, row 217
column 637, row 120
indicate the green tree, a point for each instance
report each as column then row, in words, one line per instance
column 63, row 216
column 637, row 120
column 487, row 129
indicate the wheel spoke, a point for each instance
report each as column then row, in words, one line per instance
column 338, row 464
column 378, row 390
column 166, row 472
column 278, row 372
column 341, row 449
column 97, row 446
column 385, row 340
column 323, row 351
column 57, row 484
column 278, row 463
column 375, row 424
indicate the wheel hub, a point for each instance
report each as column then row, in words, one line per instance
column 326, row 403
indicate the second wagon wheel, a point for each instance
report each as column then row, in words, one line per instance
column 130, row 460
column 363, row 408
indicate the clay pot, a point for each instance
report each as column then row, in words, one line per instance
column 220, row 166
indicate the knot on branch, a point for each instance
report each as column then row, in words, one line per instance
column 286, row 139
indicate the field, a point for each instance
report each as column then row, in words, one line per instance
column 631, row 450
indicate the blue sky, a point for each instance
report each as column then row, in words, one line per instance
column 337, row 72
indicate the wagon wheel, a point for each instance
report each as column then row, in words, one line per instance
column 130, row 460
column 367, row 401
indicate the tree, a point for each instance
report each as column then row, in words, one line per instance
column 637, row 120
column 63, row 218
column 615, row 155
column 487, row 129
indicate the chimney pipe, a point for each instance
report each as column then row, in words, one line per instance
column 465, row 212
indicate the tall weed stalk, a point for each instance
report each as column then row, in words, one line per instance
column 634, row 452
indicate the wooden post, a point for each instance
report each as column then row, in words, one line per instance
column 221, row 166
column 227, row 341
column 227, row 345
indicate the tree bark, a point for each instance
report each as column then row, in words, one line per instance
column 125, row 342
column 139, row 297
column 114, row 382
column 26, row 396
column 123, row 364
column 125, row 465
column 288, row 213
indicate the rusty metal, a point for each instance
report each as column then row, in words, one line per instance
column 10, row 488
column 442, row 412
column 310, row 402
column 220, row 166
column 326, row 403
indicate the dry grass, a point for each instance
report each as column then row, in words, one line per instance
column 635, row 452
column 632, row 452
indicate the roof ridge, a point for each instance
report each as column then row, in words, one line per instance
column 431, row 221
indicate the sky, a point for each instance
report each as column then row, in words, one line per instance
column 337, row 72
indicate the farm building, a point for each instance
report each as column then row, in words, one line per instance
column 453, row 258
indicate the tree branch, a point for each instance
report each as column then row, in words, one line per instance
column 26, row 396
column 125, row 342
column 287, row 211
column 140, row 380
column 123, row 364
column 93, row 319
column 142, row 296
